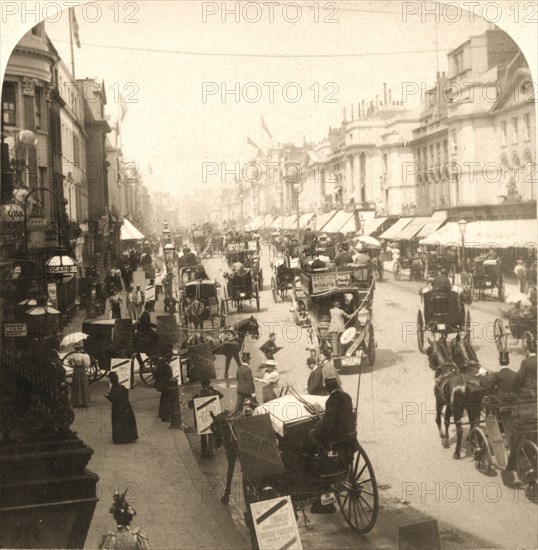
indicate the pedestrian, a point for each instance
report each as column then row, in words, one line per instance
column 80, row 389
column 163, row 383
column 337, row 324
column 270, row 381
column 123, row 419
column 442, row 282
column 245, row 383
column 327, row 367
column 207, row 442
column 132, row 310
column 270, row 348
column 115, row 305
column 139, row 300
column 124, row 538
column 315, row 385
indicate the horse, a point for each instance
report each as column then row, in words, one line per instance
column 454, row 391
column 232, row 347
column 224, row 436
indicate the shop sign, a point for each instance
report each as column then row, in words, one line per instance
column 15, row 330
column 11, row 218
column 63, row 267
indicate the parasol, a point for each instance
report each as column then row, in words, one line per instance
column 41, row 310
column 368, row 241
column 73, row 338
column 515, row 298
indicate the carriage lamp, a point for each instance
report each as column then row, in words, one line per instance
column 169, row 252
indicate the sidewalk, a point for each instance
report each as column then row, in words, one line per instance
column 175, row 503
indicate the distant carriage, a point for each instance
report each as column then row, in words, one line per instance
column 488, row 278
column 408, row 259
column 200, row 302
column 240, row 288
column 283, row 278
column 518, row 323
column 248, row 253
column 444, row 314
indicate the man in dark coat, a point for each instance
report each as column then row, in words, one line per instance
column 524, row 411
column 163, row 383
column 245, row 385
column 344, row 258
column 315, row 380
column 442, row 282
column 270, row 347
column 189, row 258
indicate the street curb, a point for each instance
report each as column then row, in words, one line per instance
column 234, row 538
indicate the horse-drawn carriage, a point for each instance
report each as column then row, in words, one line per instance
column 284, row 274
column 487, row 276
column 491, row 449
column 240, row 287
column 199, row 302
column 353, row 287
column 409, row 259
column 248, row 253
column 110, row 339
column 444, row 314
column 519, row 321
column 338, row 472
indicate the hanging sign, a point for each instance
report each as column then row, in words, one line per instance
column 203, row 407
column 275, row 524
column 15, row 330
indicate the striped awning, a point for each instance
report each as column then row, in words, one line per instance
column 323, row 218
column 434, row 223
column 410, row 231
column 335, row 224
column 371, row 226
column 394, row 230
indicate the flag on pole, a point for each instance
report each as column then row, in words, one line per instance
column 73, row 23
column 250, row 142
column 264, row 127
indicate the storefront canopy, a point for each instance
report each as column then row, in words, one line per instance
column 267, row 220
column 335, row 224
column 350, row 226
column 434, row 223
column 487, row 234
column 411, row 230
column 394, row 230
column 277, row 223
column 371, row 226
column 256, row 223
column 290, row 222
column 306, row 220
column 129, row 232
column 323, row 218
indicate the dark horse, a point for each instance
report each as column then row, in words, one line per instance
column 224, row 436
column 455, row 391
column 232, row 346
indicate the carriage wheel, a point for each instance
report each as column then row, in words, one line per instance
column 357, row 495
column 468, row 322
column 260, row 280
column 224, row 307
column 147, row 372
column 480, row 451
column 274, row 290
column 499, row 334
column 420, row 331
column 91, row 370
column 98, row 373
column 500, row 288
column 527, row 467
column 397, row 270
column 371, row 345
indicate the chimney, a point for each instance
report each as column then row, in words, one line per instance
column 376, row 102
column 385, row 92
column 390, row 96
column 438, row 75
column 444, row 74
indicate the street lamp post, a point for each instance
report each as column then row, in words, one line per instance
column 297, row 187
column 361, row 219
column 462, row 225
column 169, row 251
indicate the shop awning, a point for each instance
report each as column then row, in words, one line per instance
column 350, row 226
column 277, row 223
column 267, row 220
column 290, row 222
column 435, row 222
column 394, row 230
column 306, row 220
column 336, row 222
column 411, row 230
column 129, row 232
column 371, row 226
column 323, row 218
column 486, row 234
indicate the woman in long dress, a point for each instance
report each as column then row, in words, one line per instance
column 115, row 305
column 123, row 418
column 80, row 389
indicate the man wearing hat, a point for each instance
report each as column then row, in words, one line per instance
column 337, row 324
column 442, row 282
column 270, row 348
column 245, row 382
column 270, row 381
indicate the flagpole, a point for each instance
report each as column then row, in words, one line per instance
column 71, row 43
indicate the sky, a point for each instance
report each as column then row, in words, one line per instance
column 162, row 55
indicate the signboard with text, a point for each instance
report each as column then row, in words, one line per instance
column 15, row 330
column 122, row 367
column 275, row 524
column 203, row 407
column 331, row 281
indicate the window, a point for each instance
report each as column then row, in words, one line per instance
column 504, row 132
column 9, row 102
column 445, row 151
column 527, row 124
column 76, row 157
column 454, row 141
column 515, row 129
column 458, row 61
column 38, row 100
